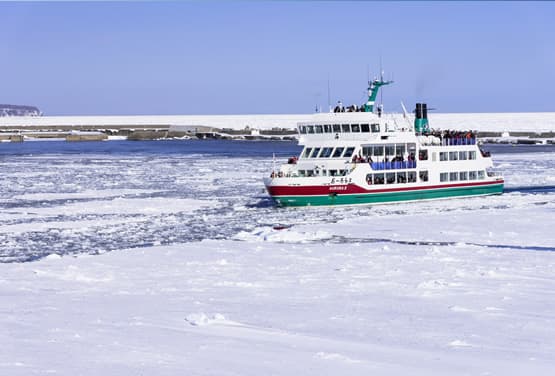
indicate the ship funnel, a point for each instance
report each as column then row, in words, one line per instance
column 421, row 118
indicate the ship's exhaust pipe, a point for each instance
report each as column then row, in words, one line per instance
column 421, row 118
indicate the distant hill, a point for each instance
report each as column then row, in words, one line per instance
column 18, row 110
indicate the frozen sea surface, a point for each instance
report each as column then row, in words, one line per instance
column 96, row 198
column 168, row 262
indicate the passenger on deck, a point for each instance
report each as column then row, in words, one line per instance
column 339, row 107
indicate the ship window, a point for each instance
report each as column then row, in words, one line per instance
column 443, row 156
column 310, row 129
column 389, row 150
column 346, row 128
column 390, row 178
column 463, row 175
column 378, row 150
column 343, row 172
column 315, row 153
column 411, row 177
column 401, row 177
column 326, row 152
column 338, row 152
column 309, row 173
column 453, row 156
column 423, row 175
column 471, row 155
column 472, row 175
column 375, row 128
column 400, row 149
column 306, row 153
column 444, row 176
column 327, row 128
column 333, row 172
column 336, row 128
column 481, row 174
column 355, row 128
column 423, row 154
column 366, row 151
column 302, row 129
column 302, row 173
column 319, row 129
column 462, row 155
column 453, row 176
column 365, row 128
column 348, row 152
column 378, row 179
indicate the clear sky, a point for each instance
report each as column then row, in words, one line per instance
column 275, row 57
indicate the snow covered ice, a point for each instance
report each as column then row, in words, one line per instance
column 174, row 264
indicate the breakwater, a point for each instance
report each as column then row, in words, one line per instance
column 516, row 128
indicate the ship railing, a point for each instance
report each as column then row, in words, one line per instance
column 392, row 165
column 447, row 141
column 458, row 141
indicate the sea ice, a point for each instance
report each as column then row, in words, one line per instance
column 458, row 287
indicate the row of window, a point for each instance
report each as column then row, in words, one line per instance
column 399, row 177
column 396, row 177
column 388, row 150
column 339, row 128
column 385, row 150
column 310, row 173
column 327, row 152
column 462, row 176
column 457, row 155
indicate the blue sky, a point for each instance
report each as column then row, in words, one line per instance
column 275, row 57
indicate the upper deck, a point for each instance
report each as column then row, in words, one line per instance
column 351, row 126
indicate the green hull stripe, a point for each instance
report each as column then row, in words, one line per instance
column 377, row 198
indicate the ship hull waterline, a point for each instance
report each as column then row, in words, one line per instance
column 387, row 196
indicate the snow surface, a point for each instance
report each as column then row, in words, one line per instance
column 200, row 280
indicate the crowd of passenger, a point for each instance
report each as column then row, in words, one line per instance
column 355, row 108
column 352, row 108
column 397, row 158
column 452, row 137
column 387, row 163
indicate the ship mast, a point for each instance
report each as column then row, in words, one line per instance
column 373, row 88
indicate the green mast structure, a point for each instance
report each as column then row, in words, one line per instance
column 373, row 88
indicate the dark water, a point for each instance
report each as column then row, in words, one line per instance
column 512, row 149
column 203, row 147
column 169, row 147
